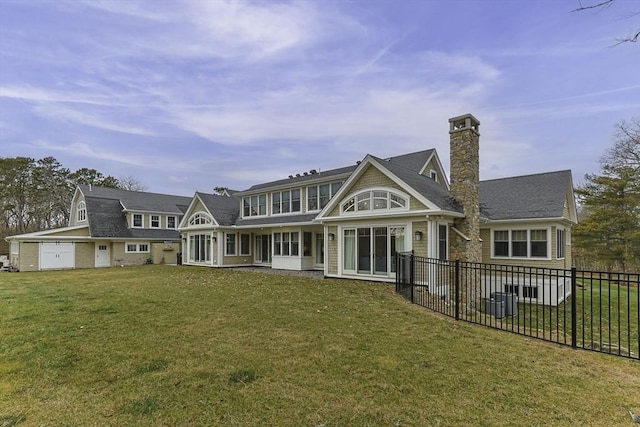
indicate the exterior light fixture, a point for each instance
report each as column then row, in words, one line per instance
column 332, row 236
column 418, row 235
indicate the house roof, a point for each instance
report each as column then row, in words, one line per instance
column 224, row 209
column 412, row 161
column 424, row 185
column 107, row 218
column 320, row 176
column 525, row 197
column 139, row 200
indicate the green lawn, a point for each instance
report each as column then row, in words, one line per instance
column 607, row 319
column 162, row 345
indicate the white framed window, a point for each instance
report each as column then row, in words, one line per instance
column 254, row 205
column 433, row 175
column 199, row 247
column 443, row 242
column 371, row 250
column 561, row 241
column 138, row 220
column 82, row 211
column 171, row 222
column 374, row 201
column 318, row 196
column 287, row 201
column 136, row 247
column 154, row 220
column 200, row 218
column 230, row 244
column 286, row 244
column 521, row 243
column 245, row 244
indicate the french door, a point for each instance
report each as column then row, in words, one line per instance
column 370, row 250
column 263, row 248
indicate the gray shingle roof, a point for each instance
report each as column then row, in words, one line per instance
column 412, row 161
column 107, row 219
column 306, row 179
column 525, row 197
column 224, row 209
column 139, row 200
column 424, row 185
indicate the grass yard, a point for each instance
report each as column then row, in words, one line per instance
column 162, row 345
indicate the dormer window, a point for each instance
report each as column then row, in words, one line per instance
column 375, row 200
column 137, row 221
column 434, row 175
column 254, row 205
column 200, row 218
column 82, row 211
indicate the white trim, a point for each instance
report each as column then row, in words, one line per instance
column 235, row 243
column 138, row 249
column 175, row 222
column 388, row 210
column 45, row 234
column 510, row 241
column 81, row 208
column 151, row 221
column 459, row 233
column 298, row 212
column 133, row 220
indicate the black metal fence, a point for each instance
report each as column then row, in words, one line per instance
column 596, row 311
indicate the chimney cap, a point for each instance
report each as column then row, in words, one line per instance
column 464, row 122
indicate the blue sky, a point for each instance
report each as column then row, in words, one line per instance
column 189, row 95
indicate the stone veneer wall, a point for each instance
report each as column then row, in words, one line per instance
column 465, row 184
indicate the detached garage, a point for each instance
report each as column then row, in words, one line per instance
column 57, row 255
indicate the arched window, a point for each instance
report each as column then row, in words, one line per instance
column 200, row 218
column 82, row 211
column 375, row 201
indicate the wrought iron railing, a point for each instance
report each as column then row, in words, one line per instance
column 598, row 311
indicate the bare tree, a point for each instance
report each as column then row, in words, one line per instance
column 605, row 4
column 131, row 183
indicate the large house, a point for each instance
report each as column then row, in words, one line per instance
column 346, row 222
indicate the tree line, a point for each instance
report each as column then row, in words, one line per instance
column 608, row 235
column 36, row 194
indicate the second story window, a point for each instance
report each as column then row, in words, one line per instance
column 82, row 211
column 375, row 200
column 285, row 201
column 155, row 221
column 171, row 222
column 137, row 221
column 318, row 196
column 254, row 205
column 200, row 218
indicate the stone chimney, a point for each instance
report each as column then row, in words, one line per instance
column 464, row 134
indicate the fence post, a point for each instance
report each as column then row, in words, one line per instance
column 412, row 264
column 456, row 284
column 574, row 308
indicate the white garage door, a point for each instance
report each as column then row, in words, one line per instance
column 56, row 255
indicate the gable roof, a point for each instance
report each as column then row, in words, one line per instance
column 106, row 212
column 413, row 161
column 536, row 196
column 425, row 186
column 139, row 200
column 224, row 209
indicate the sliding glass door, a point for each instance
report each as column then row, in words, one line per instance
column 371, row 250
